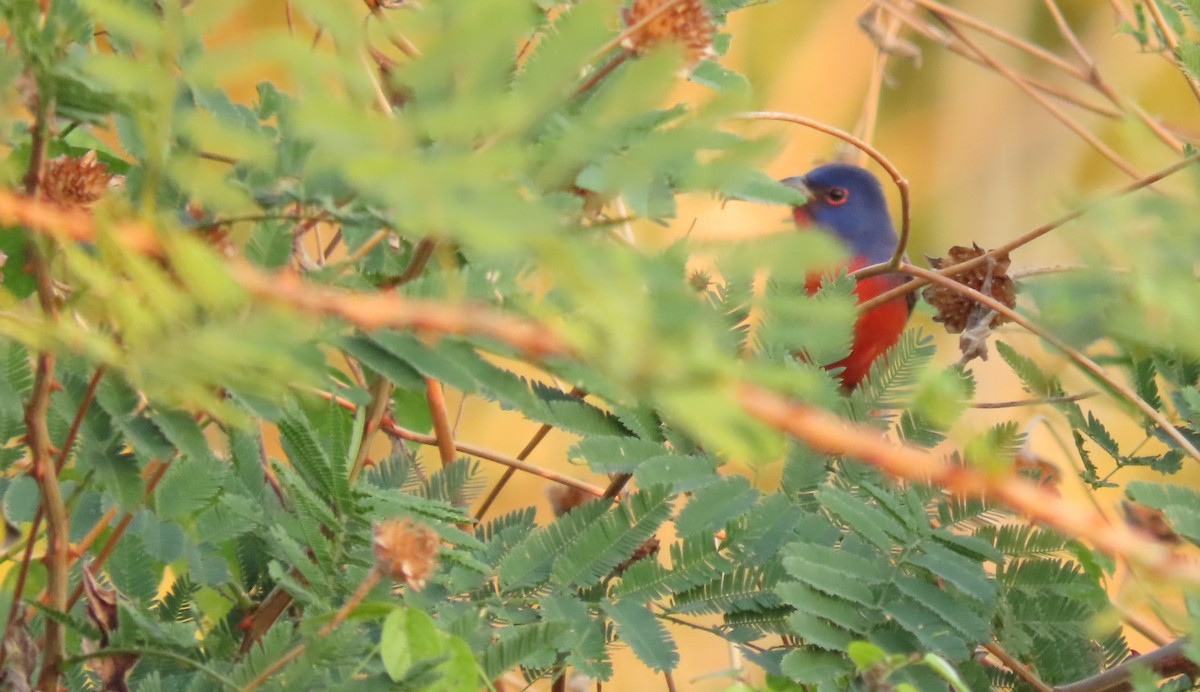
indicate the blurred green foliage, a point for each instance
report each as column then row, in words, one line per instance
column 493, row 144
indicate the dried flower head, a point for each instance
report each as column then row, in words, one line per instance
column 406, row 551
column 962, row 314
column 991, row 278
column 685, row 22
column 76, row 182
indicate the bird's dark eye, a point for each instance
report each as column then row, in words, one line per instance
column 837, row 195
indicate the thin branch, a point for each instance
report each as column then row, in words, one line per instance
column 827, row 433
column 897, row 178
column 381, row 394
column 369, row 582
column 937, row 8
column 1166, row 662
column 1034, row 402
column 1020, row 669
column 442, row 430
column 422, row 251
column 949, row 43
column 119, row 530
column 1168, row 35
column 376, row 310
column 955, row 269
column 521, row 456
column 389, row 426
column 1079, row 358
column 870, row 110
column 711, row 630
column 618, row 483
column 37, row 433
column 64, row 451
column 1096, row 80
column 229, row 683
column 1037, row 96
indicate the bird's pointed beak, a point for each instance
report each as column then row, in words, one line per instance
column 799, row 183
column 801, row 215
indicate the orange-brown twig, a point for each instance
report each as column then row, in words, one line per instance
column 376, row 310
column 955, row 269
column 442, row 429
column 829, row 434
column 1085, row 363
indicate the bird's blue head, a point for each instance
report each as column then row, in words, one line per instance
column 848, row 201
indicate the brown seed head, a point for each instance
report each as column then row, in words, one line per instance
column 76, row 182
column 406, row 552
column 954, row 309
column 685, row 22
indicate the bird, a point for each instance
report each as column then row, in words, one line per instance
column 848, row 202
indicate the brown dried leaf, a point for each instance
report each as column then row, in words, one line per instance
column 113, row 670
column 101, row 605
column 21, row 654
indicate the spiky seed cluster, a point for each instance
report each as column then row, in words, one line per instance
column 406, row 552
column 76, row 182
column 991, row 278
column 686, row 22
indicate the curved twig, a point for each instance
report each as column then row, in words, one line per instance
column 900, row 181
column 1079, row 358
column 955, row 269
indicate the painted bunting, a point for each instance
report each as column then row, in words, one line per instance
column 848, row 201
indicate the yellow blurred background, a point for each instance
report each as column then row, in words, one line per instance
column 985, row 162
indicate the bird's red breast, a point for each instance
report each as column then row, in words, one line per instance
column 875, row 331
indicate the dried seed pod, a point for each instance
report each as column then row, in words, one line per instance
column 991, row 278
column 76, row 182
column 405, row 551
column 686, row 22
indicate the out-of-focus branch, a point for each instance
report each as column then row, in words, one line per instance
column 1166, row 662
column 1075, row 355
column 377, row 310
column 829, row 434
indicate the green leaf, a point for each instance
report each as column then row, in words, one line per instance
column 613, row 539
column 865, row 655
column 713, row 506
column 394, row 646
column 519, row 644
column 813, row 666
column 644, row 633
